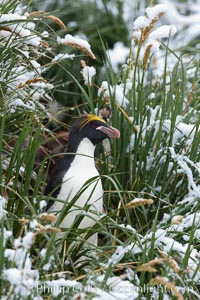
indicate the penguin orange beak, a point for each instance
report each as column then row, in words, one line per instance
column 111, row 132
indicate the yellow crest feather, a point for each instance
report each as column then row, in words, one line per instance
column 88, row 118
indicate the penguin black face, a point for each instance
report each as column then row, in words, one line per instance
column 94, row 128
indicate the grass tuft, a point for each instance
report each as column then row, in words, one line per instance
column 149, row 235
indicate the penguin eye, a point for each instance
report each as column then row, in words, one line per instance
column 93, row 125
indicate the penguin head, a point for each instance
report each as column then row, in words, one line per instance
column 94, row 128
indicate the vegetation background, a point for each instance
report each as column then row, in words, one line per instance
column 146, row 84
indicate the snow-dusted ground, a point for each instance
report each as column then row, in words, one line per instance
column 181, row 28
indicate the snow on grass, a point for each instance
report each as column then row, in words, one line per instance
column 61, row 56
column 152, row 96
column 29, row 271
column 117, row 93
column 141, row 23
column 51, row 261
column 21, row 282
column 2, row 207
column 57, row 286
column 28, row 240
column 24, row 83
column 27, row 35
column 155, row 11
column 77, row 42
column 21, row 276
column 43, row 204
column 154, row 46
column 121, row 251
column 18, row 103
column 11, row 17
column 185, row 168
column 183, row 224
column 117, row 289
column 182, row 131
column 13, row 275
column 118, row 55
column 162, row 32
column 23, row 29
column 88, row 73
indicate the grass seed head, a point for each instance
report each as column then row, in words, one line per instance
column 34, row 80
column 177, row 219
column 169, row 286
column 57, row 21
column 137, row 202
column 47, row 217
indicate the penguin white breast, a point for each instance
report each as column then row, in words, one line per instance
column 81, row 170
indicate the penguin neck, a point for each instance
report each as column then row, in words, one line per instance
column 83, row 153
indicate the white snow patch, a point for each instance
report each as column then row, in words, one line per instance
column 69, row 39
column 164, row 31
column 121, row 251
column 56, row 286
column 61, row 56
column 11, row 17
column 183, row 164
column 43, row 252
column 88, row 73
column 141, row 22
column 154, row 12
column 117, row 92
column 43, row 204
column 118, row 55
column 33, row 224
column 9, row 254
column 13, row 275
column 154, row 44
column 152, row 96
column 2, row 207
column 45, row 34
column 28, row 240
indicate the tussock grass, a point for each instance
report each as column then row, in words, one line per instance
column 149, row 236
